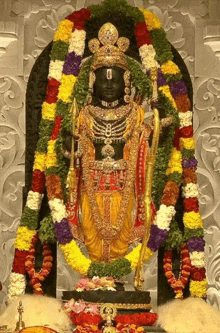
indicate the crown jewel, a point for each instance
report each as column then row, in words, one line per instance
column 104, row 49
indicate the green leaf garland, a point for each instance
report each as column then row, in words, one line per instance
column 141, row 81
column 47, row 230
column 119, row 5
column 117, row 269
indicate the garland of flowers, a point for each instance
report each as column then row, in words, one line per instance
column 36, row 277
column 193, row 231
column 120, row 328
column 139, row 319
column 81, row 312
column 178, row 284
column 66, row 56
column 130, row 261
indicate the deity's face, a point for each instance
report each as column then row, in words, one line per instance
column 109, row 84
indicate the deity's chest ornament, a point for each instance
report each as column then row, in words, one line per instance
column 111, row 126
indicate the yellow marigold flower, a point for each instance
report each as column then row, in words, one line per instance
column 187, row 143
column 23, row 238
column 40, row 161
column 74, row 257
column 170, row 67
column 51, row 146
column 48, row 111
column 66, row 87
column 51, row 160
column 192, row 220
column 198, row 288
column 151, row 20
column 133, row 256
column 175, row 162
column 166, row 92
column 64, row 31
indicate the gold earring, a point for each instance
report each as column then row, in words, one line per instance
column 127, row 90
column 91, row 83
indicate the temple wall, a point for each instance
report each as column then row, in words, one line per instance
column 26, row 27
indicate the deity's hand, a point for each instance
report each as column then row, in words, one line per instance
column 159, row 107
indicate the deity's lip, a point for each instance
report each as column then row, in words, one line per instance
column 109, row 92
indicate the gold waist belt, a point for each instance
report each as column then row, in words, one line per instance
column 108, row 166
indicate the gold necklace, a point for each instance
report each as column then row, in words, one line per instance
column 108, row 133
column 109, row 114
column 100, row 130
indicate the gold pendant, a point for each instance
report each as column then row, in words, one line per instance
column 108, row 151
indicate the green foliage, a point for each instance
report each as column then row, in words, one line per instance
column 176, row 177
column 42, row 144
column 174, row 238
column 29, row 218
column 117, row 269
column 161, row 45
column 164, row 101
column 67, row 123
column 141, row 81
column 161, row 165
column 59, row 51
column 188, row 153
column 45, row 127
column 164, row 150
column 117, row 5
column 189, row 233
column 173, row 77
column 81, row 87
column 62, row 108
column 52, row 171
column 47, row 230
column 62, row 168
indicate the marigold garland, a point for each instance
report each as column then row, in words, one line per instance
column 69, row 43
column 36, row 277
column 178, row 284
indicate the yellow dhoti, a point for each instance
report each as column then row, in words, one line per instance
column 109, row 206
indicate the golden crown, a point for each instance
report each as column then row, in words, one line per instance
column 105, row 51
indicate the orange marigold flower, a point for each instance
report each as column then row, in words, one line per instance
column 183, row 103
column 54, row 189
column 189, row 176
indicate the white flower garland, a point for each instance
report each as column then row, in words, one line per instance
column 55, row 70
column 148, row 54
column 197, row 259
column 164, row 216
column 185, row 119
column 190, row 191
column 58, row 209
column 77, row 42
column 34, row 200
column 17, row 285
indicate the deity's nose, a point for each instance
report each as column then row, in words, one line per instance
column 109, row 83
